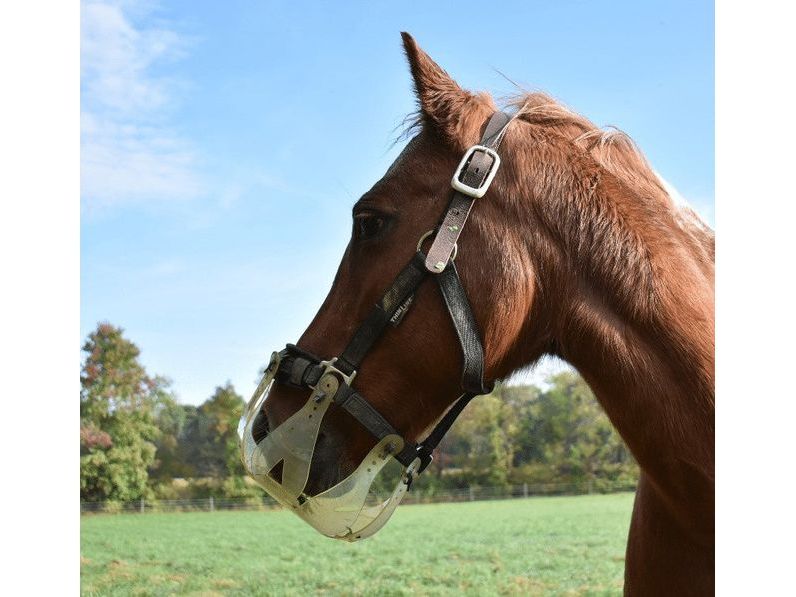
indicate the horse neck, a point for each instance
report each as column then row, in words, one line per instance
column 635, row 318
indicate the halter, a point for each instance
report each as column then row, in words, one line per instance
column 301, row 369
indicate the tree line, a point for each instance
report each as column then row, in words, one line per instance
column 137, row 441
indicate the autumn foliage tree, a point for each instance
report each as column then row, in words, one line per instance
column 119, row 402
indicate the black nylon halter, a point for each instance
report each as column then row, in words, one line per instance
column 299, row 368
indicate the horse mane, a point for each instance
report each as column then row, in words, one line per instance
column 612, row 149
column 617, row 153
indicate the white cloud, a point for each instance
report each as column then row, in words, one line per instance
column 130, row 151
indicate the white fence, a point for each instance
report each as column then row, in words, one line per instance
column 468, row 494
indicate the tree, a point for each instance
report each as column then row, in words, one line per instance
column 169, row 458
column 521, row 434
column 478, row 448
column 566, row 432
column 119, row 402
column 202, row 441
column 224, row 410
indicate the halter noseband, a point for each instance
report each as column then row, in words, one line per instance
column 298, row 368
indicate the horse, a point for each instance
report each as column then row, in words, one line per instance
column 576, row 251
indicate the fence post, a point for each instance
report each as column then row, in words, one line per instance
column 142, row 505
column 524, row 490
column 212, row 505
column 472, row 496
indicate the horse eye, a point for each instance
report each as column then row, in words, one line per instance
column 368, row 226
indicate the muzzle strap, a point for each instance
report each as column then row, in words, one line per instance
column 354, row 404
column 299, row 368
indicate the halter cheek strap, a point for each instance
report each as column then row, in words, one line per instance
column 471, row 181
column 302, row 369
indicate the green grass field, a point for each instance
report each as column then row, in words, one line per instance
column 536, row 546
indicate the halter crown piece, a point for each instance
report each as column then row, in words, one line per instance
column 280, row 459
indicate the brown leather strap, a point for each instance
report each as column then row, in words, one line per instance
column 461, row 204
column 466, row 327
column 395, row 298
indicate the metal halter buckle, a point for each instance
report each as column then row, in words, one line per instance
column 467, row 189
column 328, row 367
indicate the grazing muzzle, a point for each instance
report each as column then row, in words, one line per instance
column 280, row 459
column 280, row 462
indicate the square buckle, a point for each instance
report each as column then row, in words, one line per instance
column 475, row 192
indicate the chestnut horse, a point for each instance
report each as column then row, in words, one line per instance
column 576, row 251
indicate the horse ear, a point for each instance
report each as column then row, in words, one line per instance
column 444, row 106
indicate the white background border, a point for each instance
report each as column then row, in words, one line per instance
column 756, row 228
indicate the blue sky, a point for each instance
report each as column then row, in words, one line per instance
column 217, row 143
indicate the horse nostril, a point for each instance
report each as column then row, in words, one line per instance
column 260, row 427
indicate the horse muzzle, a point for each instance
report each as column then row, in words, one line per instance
column 280, row 459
